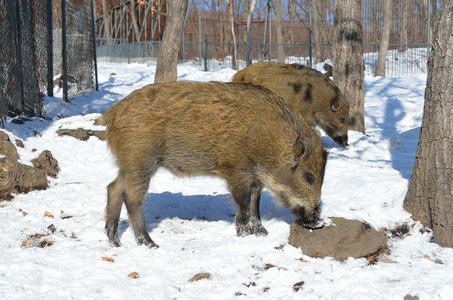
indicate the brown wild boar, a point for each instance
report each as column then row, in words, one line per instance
column 310, row 92
column 243, row 133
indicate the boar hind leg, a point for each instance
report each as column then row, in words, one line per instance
column 115, row 198
column 246, row 198
column 136, row 189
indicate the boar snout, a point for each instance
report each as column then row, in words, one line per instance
column 341, row 140
column 308, row 218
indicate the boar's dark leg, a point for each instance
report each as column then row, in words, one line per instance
column 115, row 198
column 255, row 219
column 246, row 197
column 137, row 183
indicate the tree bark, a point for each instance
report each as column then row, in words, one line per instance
column 385, row 38
column 167, row 59
column 405, row 9
column 231, row 17
column 106, row 18
column 248, row 58
column 131, row 12
column 430, row 195
column 348, row 66
column 314, row 10
column 280, row 49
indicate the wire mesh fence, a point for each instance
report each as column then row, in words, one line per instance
column 31, row 53
column 412, row 25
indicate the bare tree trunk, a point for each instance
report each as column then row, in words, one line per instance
column 131, row 12
column 405, row 9
column 248, row 58
column 318, row 57
column 106, row 18
column 385, row 39
column 167, row 59
column 221, row 27
column 280, row 49
column 231, row 16
column 430, row 195
column 348, row 66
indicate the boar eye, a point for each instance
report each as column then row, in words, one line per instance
column 309, row 178
column 343, row 121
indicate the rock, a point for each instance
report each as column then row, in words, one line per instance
column 82, row 134
column 348, row 238
column 47, row 163
column 6, row 147
column 18, row 178
column 19, row 143
column 410, row 297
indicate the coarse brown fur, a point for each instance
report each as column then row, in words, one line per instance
column 243, row 133
column 310, row 92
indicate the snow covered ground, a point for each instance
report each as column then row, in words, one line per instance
column 192, row 218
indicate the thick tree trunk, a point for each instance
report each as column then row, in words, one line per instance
column 348, row 66
column 167, row 59
column 430, row 195
column 280, row 49
column 385, row 38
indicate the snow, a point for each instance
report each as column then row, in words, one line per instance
column 192, row 218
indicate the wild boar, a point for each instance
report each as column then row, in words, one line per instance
column 243, row 133
column 310, row 92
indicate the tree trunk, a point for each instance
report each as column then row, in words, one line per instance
column 248, row 58
column 231, row 17
column 348, row 66
column 106, row 18
column 314, row 10
column 430, row 195
column 280, row 49
column 385, row 38
column 405, row 9
column 167, row 59
column 131, row 12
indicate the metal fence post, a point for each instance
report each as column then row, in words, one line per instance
column 49, row 50
column 64, row 50
column 93, row 32
column 205, row 56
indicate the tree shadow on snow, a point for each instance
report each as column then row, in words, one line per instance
column 402, row 145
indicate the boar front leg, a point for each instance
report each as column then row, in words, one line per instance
column 137, row 183
column 246, row 198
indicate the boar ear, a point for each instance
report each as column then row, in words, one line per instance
column 299, row 149
column 335, row 103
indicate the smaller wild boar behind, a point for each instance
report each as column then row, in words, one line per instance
column 243, row 133
column 311, row 93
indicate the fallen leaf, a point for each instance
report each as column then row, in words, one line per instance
column 24, row 243
column 108, row 259
column 302, row 259
column 24, row 213
column 51, row 228
column 200, row 276
column 133, row 275
column 48, row 214
column 372, row 259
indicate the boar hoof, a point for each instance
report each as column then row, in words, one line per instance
column 248, row 229
column 147, row 241
column 115, row 243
